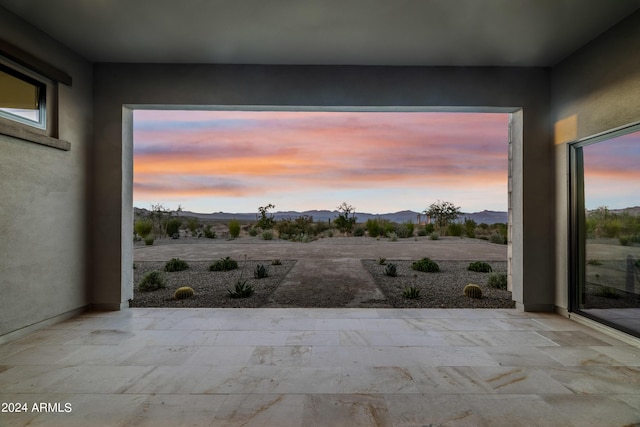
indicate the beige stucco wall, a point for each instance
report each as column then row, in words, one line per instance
column 118, row 85
column 595, row 90
column 42, row 199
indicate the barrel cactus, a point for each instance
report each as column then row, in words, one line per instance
column 473, row 291
column 183, row 293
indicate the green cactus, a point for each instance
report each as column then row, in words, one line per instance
column 426, row 265
column 152, row 281
column 224, row 264
column 175, row 264
column 391, row 270
column 382, row 260
column 473, row 291
column 183, row 293
column 260, row 271
column 480, row 267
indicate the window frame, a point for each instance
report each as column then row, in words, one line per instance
column 40, row 84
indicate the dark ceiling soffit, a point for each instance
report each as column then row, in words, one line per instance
column 27, row 60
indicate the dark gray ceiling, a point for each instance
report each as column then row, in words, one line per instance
column 351, row 32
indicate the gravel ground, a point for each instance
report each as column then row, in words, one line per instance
column 210, row 286
column 439, row 290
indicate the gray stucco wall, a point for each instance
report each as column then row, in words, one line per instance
column 42, row 199
column 118, row 85
column 595, row 90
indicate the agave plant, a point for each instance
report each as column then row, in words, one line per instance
column 241, row 290
column 411, row 292
column 260, row 272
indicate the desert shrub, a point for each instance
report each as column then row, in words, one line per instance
column 392, row 236
column 173, row 226
column 434, row 236
column 149, row 239
column 358, row 231
column 234, row 228
column 429, row 228
column 152, row 281
column 391, row 270
column 261, row 271
column 276, row 262
column 183, row 293
column 607, row 292
column 624, row 240
column 382, row 261
column 193, row 224
column 472, row 291
column 374, row 227
column 454, row 229
column 480, row 267
column 241, row 290
column 284, row 236
column 208, row 232
column 470, row 228
column 253, row 232
column 330, row 233
column 267, row 235
column 422, row 232
column 498, row 238
column 224, row 264
column 426, row 265
column 175, row 264
column 404, row 230
column 346, row 218
column 497, row 281
column 266, row 222
column 411, row 292
column 143, row 227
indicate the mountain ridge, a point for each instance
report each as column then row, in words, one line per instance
column 485, row 216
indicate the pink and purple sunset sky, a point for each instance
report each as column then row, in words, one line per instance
column 379, row 162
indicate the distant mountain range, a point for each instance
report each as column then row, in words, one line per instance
column 487, row 217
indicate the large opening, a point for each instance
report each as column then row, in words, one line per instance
column 209, row 167
column 605, row 283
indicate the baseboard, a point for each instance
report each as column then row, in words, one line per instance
column 20, row 333
column 110, row 306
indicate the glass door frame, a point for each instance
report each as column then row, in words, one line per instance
column 577, row 220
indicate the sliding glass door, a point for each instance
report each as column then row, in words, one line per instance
column 605, row 219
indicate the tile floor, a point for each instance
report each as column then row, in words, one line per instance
column 319, row 367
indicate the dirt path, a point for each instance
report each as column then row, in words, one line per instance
column 341, row 282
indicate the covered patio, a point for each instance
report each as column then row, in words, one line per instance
column 338, row 367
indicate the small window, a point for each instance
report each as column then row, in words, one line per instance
column 22, row 98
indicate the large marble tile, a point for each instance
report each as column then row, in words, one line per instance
column 626, row 355
column 431, row 410
column 391, row 338
column 580, row 356
column 377, row 380
column 520, row 380
column 344, row 410
column 596, row 411
column 220, row 356
column 40, row 355
column 251, row 338
column 155, row 355
column 346, row 324
column 447, row 380
column 262, row 410
column 169, row 380
column 517, row 411
column 311, row 338
column 572, row 338
column 496, row 338
column 175, row 410
column 607, row 380
column 520, row 355
column 48, row 337
column 281, row 356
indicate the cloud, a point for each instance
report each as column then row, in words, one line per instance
column 245, row 153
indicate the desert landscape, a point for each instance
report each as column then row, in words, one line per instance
column 337, row 271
